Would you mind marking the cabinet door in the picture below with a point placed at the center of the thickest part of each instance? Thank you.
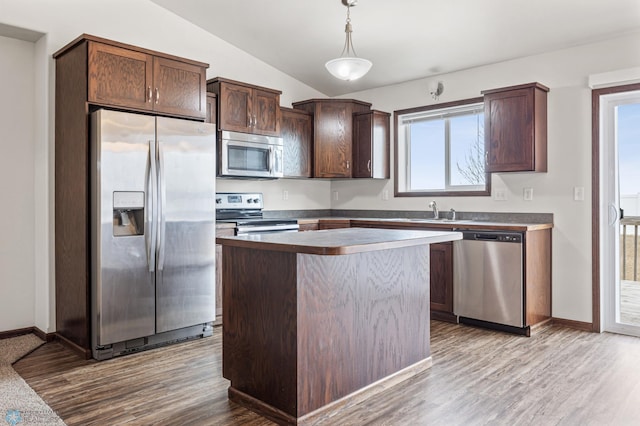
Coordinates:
(212, 109)
(362, 145)
(266, 113)
(119, 77)
(179, 88)
(235, 108)
(297, 133)
(441, 264)
(371, 145)
(218, 319)
(333, 133)
(516, 128)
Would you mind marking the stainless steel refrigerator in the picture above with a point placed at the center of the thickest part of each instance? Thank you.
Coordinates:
(153, 231)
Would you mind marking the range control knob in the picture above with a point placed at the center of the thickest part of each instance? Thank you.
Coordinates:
(218, 200)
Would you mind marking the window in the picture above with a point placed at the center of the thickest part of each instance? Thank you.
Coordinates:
(440, 150)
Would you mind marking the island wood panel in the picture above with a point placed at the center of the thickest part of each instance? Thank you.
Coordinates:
(361, 318)
(259, 332)
(537, 247)
(72, 262)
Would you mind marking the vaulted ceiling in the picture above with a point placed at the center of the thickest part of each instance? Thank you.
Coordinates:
(405, 39)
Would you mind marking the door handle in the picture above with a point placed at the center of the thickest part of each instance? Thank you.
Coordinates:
(369, 165)
(613, 214)
(162, 196)
(270, 161)
(152, 183)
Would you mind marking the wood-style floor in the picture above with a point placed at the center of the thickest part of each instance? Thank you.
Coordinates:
(558, 376)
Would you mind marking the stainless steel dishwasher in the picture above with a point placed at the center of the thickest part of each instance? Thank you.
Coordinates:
(488, 280)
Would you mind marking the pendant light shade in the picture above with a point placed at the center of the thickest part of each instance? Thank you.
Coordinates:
(348, 66)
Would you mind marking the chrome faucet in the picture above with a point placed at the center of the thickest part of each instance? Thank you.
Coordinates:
(453, 214)
(432, 205)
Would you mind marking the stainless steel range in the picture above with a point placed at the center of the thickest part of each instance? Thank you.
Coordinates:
(245, 210)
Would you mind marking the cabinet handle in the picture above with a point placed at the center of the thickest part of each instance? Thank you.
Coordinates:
(347, 164)
(150, 94)
(157, 95)
(250, 120)
(255, 121)
(369, 165)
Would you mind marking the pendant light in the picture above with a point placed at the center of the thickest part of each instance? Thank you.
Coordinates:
(348, 66)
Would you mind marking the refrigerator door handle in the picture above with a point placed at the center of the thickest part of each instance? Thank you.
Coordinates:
(152, 185)
(162, 193)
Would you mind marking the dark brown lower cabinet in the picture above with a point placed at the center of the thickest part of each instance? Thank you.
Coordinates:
(441, 259)
(221, 231)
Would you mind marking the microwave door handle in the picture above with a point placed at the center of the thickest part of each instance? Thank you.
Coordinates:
(270, 165)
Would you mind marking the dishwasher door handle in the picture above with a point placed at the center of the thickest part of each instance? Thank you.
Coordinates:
(486, 237)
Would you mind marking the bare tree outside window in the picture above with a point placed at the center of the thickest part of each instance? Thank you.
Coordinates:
(473, 168)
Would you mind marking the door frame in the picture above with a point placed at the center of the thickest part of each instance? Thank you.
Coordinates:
(596, 179)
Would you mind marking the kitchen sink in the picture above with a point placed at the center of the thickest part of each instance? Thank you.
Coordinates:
(419, 220)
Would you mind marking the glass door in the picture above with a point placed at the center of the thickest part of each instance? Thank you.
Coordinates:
(620, 123)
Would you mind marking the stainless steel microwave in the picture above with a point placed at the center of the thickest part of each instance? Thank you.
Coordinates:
(250, 156)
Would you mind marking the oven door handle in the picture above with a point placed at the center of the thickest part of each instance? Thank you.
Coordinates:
(267, 228)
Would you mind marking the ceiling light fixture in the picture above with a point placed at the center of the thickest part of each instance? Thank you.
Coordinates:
(348, 66)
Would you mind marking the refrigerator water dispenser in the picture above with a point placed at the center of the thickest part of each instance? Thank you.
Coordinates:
(128, 213)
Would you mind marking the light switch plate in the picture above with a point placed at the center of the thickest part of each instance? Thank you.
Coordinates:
(528, 194)
(335, 196)
(578, 193)
(385, 195)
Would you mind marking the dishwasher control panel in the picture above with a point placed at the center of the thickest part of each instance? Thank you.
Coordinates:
(497, 236)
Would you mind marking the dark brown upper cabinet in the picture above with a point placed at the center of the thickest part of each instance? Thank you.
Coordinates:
(246, 108)
(125, 76)
(332, 134)
(297, 136)
(212, 108)
(371, 144)
(516, 128)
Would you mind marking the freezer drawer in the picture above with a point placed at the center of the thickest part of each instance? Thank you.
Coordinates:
(488, 278)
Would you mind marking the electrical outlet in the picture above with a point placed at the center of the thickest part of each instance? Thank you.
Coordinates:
(500, 194)
(527, 194)
(285, 195)
(335, 196)
(385, 195)
(578, 193)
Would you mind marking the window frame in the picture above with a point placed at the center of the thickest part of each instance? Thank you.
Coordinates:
(443, 193)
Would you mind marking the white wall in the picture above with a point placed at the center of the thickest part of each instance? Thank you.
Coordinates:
(566, 73)
(17, 171)
(27, 268)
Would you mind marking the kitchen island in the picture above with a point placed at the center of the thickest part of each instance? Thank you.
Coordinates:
(315, 321)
